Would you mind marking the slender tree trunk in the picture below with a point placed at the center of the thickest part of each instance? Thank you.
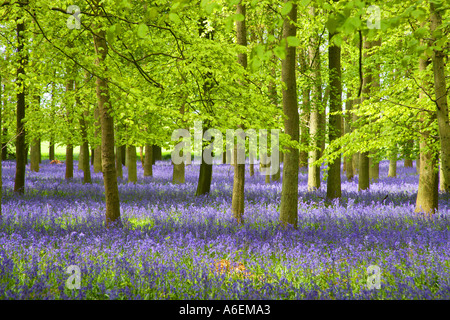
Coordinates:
(364, 173)
(123, 151)
(154, 153)
(35, 145)
(19, 181)
(69, 147)
(84, 148)
(92, 155)
(157, 153)
(408, 163)
(442, 182)
(1, 158)
(237, 202)
(349, 170)
(289, 192)
(107, 133)
(427, 195)
(34, 155)
(4, 145)
(80, 158)
(441, 91)
(119, 169)
(51, 151)
(335, 121)
(408, 154)
(393, 163)
(148, 161)
(316, 112)
(304, 117)
(178, 175)
(141, 156)
(131, 164)
(40, 154)
(98, 149)
(204, 179)
(69, 162)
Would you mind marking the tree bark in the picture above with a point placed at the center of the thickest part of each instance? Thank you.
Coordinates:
(80, 158)
(204, 178)
(98, 149)
(107, 132)
(119, 169)
(131, 164)
(289, 191)
(19, 181)
(84, 148)
(440, 89)
(363, 168)
(349, 170)
(304, 117)
(427, 194)
(335, 121)
(148, 161)
(316, 112)
(393, 163)
(237, 201)
(34, 155)
(123, 151)
(69, 147)
(69, 162)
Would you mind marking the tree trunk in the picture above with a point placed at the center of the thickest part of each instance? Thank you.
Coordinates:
(39, 151)
(119, 169)
(157, 153)
(69, 162)
(441, 91)
(92, 156)
(69, 148)
(427, 195)
(409, 145)
(148, 161)
(304, 117)
(237, 201)
(408, 163)
(107, 133)
(178, 174)
(335, 121)
(363, 168)
(204, 178)
(349, 170)
(123, 151)
(80, 158)
(131, 164)
(289, 191)
(393, 163)
(98, 149)
(84, 148)
(19, 181)
(316, 112)
(34, 155)
(4, 145)
(1, 158)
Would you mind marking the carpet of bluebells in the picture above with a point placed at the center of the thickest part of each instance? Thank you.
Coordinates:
(173, 245)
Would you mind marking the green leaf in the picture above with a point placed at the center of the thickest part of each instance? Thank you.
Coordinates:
(238, 17)
(142, 30)
(174, 17)
(293, 41)
(287, 7)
